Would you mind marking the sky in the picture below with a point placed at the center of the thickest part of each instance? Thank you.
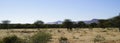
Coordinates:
(29, 11)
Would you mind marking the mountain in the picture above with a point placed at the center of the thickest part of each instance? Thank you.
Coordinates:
(87, 22)
(56, 22)
(91, 21)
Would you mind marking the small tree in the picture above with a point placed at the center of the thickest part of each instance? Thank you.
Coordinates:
(93, 25)
(5, 24)
(68, 24)
(38, 23)
(81, 24)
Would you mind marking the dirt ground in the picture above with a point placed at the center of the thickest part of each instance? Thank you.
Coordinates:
(78, 35)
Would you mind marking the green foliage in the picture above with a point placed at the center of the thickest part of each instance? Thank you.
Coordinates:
(11, 39)
(113, 22)
(93, 25)
(5, 24)
(41, 37)
(39, 22)
(68, 24)
(1, 41)
(102, 23)
(98, 38)
(116, 21)
(63, 40)
(81, 24)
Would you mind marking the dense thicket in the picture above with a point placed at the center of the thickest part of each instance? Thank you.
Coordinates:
(103, 23)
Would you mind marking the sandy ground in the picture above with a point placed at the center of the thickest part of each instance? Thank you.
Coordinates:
(78, 35)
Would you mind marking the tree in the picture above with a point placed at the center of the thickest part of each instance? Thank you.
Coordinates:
(93, 25)
(74, 25)
(108, 24)
(116, 21)
(102, 23)
(68, 24)
(5, 24)
(81, 24)
(38, 23)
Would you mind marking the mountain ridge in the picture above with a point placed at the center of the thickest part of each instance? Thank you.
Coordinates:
(87, 21)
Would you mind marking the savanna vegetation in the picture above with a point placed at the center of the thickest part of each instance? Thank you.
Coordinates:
(113, 22)
(105, 31)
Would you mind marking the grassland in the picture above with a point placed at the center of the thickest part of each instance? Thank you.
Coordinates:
(78, 35)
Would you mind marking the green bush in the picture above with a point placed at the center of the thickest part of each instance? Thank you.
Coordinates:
(1, 41)
(41, 37)
(63, 40)
(99, 38)
(11, 39)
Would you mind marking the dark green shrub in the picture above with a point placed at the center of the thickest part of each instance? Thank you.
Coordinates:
(41, 37)
(63, 40)
(11, 39)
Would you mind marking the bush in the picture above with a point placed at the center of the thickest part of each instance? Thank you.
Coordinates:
(1, 41)
(41, 37)
(11, 39)
(98, 38)
(63, 40)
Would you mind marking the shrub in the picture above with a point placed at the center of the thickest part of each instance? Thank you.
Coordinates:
(98, 38)
(1, 41)
(41, 37)
(12, 39)
(63, 40)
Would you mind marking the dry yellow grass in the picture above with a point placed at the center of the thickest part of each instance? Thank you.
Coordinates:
(76, 36)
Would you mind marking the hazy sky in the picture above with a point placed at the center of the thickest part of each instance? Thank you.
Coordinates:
(28, 11)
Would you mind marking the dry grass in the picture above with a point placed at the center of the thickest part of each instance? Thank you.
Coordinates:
(111, 35)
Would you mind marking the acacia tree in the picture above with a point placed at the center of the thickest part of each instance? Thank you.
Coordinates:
(93, 25)
(38, 23)
(5, 24)
(81, 24)
(68, 24)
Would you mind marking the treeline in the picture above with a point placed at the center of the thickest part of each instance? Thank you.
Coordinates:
(67, 23)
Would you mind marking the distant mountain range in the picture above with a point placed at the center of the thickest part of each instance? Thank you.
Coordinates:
(87, 22)
(91, 21)
(56, 22)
